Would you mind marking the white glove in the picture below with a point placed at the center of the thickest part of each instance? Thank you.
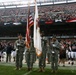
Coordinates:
(16, 49)
(53, 52)
(54, 45)
(18, 44)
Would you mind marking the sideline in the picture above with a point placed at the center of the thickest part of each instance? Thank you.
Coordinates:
(69, 67)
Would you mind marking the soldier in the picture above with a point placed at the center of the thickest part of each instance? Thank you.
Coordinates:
(55, 47)
(19, 47)
(48, 52)
(30, 52)
(42, 58)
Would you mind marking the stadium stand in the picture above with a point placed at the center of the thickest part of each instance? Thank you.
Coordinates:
(54, 15)
(59, 11)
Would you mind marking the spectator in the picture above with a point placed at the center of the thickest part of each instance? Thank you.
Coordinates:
(8, 52)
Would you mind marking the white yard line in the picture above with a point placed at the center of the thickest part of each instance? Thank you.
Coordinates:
(29, 72)
(72, 71)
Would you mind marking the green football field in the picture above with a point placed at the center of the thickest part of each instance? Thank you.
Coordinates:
(8, 69)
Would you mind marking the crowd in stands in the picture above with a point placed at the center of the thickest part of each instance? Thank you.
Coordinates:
(6, 47)
(48, 12)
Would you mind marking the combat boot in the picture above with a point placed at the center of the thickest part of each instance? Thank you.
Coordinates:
(43, 69)
(40, 70)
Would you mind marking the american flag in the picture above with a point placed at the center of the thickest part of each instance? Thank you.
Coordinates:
(30, 22)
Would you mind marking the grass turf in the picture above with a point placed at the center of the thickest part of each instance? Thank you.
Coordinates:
(9, 70)
(60, 72)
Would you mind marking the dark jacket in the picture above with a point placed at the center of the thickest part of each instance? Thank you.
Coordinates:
(8, 49)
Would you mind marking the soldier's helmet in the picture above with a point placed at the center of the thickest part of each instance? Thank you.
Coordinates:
(54, 36)
(19, 36)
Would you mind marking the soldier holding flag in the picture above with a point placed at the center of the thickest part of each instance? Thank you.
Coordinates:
(30, 50)
(42, 58)
(38, 43)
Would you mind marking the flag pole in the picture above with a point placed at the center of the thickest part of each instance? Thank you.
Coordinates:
(27, 29)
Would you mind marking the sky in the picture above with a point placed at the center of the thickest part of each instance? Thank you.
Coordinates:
(31, 1)
(7, 0)
(13, 0)
(21, 1)
(24, 0)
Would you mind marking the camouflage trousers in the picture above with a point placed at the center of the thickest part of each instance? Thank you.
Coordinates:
(29, 59)
(42, 61)
(19, 58)
(54, 63)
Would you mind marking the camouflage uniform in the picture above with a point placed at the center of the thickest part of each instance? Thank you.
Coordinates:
(42, 58)
(19, 46)
(30, 53)
(55, 47)
(48, 53)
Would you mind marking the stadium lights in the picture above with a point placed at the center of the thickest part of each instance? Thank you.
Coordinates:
(17, 23)
(71, 0)
(11, 7)
(12, 23)
(2, 7)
